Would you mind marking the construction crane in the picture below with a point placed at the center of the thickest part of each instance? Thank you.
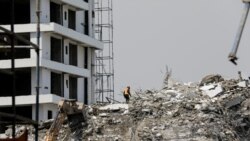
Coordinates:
(232, 56)
(70, 109)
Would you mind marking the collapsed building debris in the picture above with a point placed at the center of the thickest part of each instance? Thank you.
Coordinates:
(183, 112)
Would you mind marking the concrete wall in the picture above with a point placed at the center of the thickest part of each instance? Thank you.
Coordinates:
(43, 111)
(66, 47)
(45, 11)
(80, 56)
(45, 45)
(66, 86)
(92, 82)
(65, 11)
(91, 20)
(80, 89)
(79, 21)
(44, 81)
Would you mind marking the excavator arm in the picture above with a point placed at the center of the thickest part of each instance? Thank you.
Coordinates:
(66, 108)
(232, 55)
(55, 127)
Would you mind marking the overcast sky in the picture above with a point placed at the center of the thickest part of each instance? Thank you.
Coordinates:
(193, 37)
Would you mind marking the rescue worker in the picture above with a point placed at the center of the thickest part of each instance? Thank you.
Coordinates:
(126, 93)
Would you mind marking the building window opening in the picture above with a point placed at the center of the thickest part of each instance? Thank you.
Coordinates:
(67, 83)
(24, 111)
(55, 13)
(86, 22)
(73, 54)
(21, 49)
(56, 50)
(50, 114)
(72, 19)
(56, 84)
(73, 87)
(65, 15)
(66, 50)
(85, 91)
(86, 58)
(22, 12)
(23, 82)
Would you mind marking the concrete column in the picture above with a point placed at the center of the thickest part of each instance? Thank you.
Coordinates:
(65, 13)
(41, 112)
(91, 20)
(91, 79)
(45, 45)
(66, 51)
(45, 83)
(45, 11)
(66, 86)
(80, 56)
(79, 21)
(80, 89)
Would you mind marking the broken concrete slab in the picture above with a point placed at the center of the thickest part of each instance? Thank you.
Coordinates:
(114, 107)
(212, 90)
(235, 101)
(242, 84)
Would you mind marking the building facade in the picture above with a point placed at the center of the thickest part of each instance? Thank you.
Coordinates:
(67, 55)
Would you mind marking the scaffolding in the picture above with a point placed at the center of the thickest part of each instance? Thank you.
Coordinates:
(104, 64)
(9, 37)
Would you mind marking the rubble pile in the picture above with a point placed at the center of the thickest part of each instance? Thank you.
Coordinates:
(213, 110)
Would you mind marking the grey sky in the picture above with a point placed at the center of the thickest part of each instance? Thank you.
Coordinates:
(193, 37)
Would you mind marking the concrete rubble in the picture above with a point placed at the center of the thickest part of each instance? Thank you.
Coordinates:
(213, 110)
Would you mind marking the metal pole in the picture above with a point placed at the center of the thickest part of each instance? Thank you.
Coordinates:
(37, 67)
(13, 69)
(232, 56)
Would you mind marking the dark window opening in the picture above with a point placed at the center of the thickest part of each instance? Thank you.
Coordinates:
(86, 58)
(55, 13)
(93, 14)
(86, 25)
(25, 36)
(66, 49)
(21, 48)
(72, 19)
(65, 15)
(50, 115)
(22, 12)
(56, 84)
(85, 91)
(20, 53)
(56, 50)
(67, 83)
(24, 111)
(86, 0)
(73, 88)
(73, 54)
(23, 82)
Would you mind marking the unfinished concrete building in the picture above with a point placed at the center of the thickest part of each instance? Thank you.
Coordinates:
(67, 46)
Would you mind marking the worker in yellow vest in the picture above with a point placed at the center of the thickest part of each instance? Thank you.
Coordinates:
(126, 93)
